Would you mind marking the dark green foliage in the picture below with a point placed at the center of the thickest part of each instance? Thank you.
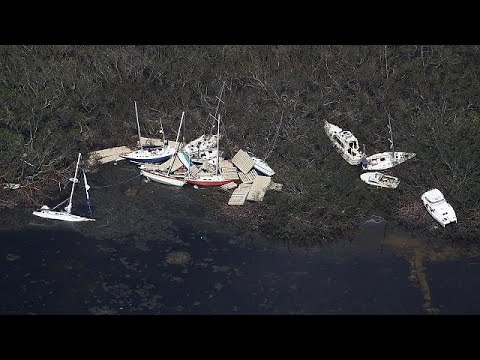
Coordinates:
(55, 100)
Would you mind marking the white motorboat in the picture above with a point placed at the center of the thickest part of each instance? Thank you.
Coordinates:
(379, 179)
(438, 207)
(345, 143)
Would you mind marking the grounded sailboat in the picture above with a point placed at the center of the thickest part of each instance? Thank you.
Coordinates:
(203, 149)
(147, 154)
(168, 178)
(386, 160)
(47, 213)
(216, 179)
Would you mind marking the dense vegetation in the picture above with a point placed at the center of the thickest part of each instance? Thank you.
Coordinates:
(55, 100)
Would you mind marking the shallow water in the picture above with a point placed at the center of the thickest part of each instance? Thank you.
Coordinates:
(152, 250)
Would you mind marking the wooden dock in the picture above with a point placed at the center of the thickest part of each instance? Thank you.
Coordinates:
(243, 161)
(228, 186)
(259, 187)
(248, 178)
(107, 155)
(226, 164)
(229, 173)
(177, 164)
(240, 194)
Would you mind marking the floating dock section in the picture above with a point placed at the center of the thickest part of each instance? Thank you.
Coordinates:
(107, 155)
(229, 173)
(177, 164)
(243, 161)
(240, 194)
(259, 187)
(228, 186)
(248, 178)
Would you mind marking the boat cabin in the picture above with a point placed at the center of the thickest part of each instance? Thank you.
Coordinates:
(346, 140)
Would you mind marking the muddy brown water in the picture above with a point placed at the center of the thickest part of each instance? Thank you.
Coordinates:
(152, 250)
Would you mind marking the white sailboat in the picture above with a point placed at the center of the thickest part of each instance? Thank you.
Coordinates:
(379, 179)
(386, 160)
(345, 143)
(204, 148)
(215, 179)
(438, 207)
(148, 155)
(168, 178)
(47, 213)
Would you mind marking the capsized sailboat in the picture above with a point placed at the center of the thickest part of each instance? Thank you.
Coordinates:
(66, 215)
(148, 154)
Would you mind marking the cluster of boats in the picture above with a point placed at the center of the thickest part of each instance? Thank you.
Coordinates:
(196, 163)
(348, 147)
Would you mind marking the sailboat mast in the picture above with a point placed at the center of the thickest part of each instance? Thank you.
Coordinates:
(183, 142)
(163, 134)
(138, 127)
(391, 136)
(218, 144)
(178, 144)
(219, 98)
(69, 206)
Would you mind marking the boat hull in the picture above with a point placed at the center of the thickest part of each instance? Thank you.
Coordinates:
(208, 182)
(150, 156)
(380, 180)
(386, 160)
(159, 159)
(60, 215)
(340, 143)
(163, 179)
(261, 166)
(443, 213)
